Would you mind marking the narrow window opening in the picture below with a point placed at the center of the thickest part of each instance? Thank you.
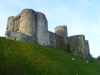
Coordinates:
(27, 12)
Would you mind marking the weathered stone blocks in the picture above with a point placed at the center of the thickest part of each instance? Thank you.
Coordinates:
(87, 50)
(19, 36)
(77, 45)
(62, 31)
(10, 23)
(42, 29)
(28, 22)
(52, 39)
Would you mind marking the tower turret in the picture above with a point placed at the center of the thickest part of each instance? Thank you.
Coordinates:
(62, 31)
(42, 29)
(28, 22)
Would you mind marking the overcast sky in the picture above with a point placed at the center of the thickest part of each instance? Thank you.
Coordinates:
(80, 16)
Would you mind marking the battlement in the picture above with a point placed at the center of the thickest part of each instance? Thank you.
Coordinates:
(32, 26)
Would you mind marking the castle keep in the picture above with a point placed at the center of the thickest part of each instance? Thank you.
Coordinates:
(32, 26)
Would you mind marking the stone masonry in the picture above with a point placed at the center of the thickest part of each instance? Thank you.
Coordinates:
(32, 26)
(79, 46)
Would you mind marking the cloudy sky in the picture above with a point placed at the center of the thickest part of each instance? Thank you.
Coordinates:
(80, 16)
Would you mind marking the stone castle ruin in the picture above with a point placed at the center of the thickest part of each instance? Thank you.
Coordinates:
(32, 26)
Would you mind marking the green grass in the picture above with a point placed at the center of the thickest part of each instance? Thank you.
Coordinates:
(24, 58)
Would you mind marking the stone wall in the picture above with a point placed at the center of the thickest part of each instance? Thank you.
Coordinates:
(10, 24)
(87, 50)
(19, 36)
(52, 40)
(42, 29)
(17, 23)
(77, 45)
(24, 23)
(60, 42)
(57, 41)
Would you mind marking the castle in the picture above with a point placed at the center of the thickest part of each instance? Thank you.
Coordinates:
(32, 26)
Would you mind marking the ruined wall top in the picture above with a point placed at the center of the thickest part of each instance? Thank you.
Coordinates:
(60, 28)
(27, 10)
(81, 35)
(10, 24)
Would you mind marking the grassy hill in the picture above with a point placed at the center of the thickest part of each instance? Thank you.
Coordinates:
(24, 58)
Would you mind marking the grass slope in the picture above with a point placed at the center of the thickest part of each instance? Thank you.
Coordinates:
(24, 58)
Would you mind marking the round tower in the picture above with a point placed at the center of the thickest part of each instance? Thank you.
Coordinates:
(10, 23)
(62, 31)
(42, 29)
(28, 22)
